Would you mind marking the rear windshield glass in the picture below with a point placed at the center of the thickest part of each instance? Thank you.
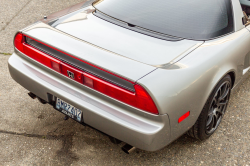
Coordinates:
(191, 19)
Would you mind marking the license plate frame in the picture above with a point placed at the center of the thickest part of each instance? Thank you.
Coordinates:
(68, 110)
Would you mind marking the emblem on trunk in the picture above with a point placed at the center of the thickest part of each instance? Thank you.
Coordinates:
(71, 74)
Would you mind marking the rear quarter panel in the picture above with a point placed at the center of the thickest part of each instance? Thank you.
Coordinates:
(186, 85)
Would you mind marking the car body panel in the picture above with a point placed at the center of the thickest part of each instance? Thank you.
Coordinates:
(130, 44)
(178, 80)
(248, 27)
(66, 12)
(130, 125)
(190, 88)
(89, 52)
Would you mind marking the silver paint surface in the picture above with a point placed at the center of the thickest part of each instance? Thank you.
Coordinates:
(99, 111)
(91, 53)
(130, 44)
(178, 75)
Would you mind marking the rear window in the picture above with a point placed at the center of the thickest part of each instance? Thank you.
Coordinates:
(191, 19)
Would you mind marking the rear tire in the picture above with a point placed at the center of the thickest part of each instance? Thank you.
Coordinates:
(213, 111)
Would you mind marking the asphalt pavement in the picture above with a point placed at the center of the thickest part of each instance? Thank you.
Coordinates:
(36, 134)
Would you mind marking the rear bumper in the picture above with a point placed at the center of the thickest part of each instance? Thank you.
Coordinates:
(137, 128)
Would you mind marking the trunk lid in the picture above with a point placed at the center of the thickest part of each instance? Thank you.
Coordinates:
(121, 51)
(130, 44)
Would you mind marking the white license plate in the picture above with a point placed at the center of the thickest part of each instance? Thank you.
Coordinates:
(69, 110)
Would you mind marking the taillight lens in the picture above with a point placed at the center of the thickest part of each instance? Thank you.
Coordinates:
(139, 99)
(18, 42)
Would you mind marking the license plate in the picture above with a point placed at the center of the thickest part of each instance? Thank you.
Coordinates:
(69, 110)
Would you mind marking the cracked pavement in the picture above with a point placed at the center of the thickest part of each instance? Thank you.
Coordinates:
(36, 134)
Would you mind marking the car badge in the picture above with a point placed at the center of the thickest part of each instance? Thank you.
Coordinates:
(71, 74)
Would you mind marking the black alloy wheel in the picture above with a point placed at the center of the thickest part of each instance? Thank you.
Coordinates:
(213, 111)
(218, 107)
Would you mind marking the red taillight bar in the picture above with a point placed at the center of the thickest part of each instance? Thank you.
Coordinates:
(139, 99)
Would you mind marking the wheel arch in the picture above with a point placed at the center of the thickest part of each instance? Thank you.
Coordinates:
(232, 75)
(218, 77)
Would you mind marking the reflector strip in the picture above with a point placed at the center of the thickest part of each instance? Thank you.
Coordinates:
(183, 117)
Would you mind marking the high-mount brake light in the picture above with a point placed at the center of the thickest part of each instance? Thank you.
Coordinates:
(139, 99)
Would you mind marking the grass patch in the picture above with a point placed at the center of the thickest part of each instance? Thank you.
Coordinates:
(5, 53)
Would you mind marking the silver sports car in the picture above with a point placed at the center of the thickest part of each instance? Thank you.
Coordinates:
(143, 72)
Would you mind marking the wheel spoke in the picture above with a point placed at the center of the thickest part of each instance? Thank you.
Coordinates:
(214, 102)
(223, 103)
(225, 94)
(217, 96)
(219, 92)
(221, 112)
(211, 111)
(210, 118)
(210, 125)
(215, 120)
(210, 115)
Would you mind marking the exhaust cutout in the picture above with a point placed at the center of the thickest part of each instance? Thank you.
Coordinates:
(41, 100)
(32, 95)
(128, 148)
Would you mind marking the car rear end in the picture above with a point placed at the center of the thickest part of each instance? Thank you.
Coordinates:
(100, 88)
